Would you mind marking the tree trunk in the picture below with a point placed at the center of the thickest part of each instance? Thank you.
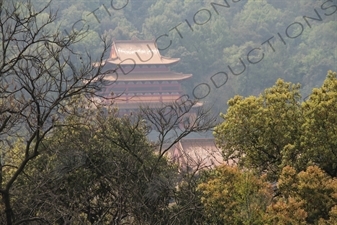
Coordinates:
(8, 208)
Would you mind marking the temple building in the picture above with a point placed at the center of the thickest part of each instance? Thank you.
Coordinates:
(139, 75)
(192, 154)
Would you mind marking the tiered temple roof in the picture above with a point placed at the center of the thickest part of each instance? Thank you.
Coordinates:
(149, 76)
(140, 75)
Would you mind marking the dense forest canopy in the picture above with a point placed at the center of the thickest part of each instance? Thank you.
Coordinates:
(231, 47)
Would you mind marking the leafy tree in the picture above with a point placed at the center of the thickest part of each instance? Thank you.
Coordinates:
(256, 20)
(207, 49)
(319, 128)
(275, 129)
(188, 208)
(256, 130)
(95, 172)
(301, 193)
(101, 169)
(235, 197)
(38, 81)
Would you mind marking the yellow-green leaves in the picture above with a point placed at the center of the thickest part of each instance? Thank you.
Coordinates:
(293, 143)
(231, 196)
(311, 194)
(275, 129)
(319, 137)
(256, 129)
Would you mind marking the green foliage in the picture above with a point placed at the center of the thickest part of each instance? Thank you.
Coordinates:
(274, 129)
(188, 206)
(95, 172)
(229, 35)
(291, 142)
(319, 129)
(301, 194)
(257, 129)
(233, 196)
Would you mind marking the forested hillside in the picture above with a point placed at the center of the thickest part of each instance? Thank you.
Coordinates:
(295, 41)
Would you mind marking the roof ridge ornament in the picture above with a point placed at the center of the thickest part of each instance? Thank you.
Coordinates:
(138, 52)
(113, 53)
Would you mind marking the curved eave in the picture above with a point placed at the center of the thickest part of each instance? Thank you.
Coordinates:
(136, 105)
(122, 104)
(167, 60)
(136, 61)
(152, 77)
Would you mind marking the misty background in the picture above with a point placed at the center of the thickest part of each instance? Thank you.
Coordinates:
(297, 39)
